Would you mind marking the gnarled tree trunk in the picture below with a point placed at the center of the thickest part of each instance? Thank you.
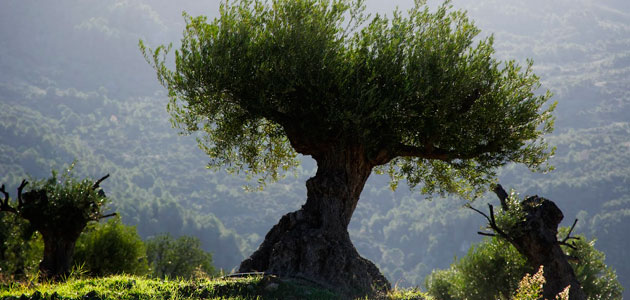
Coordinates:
(313, 242)
(58, 253)
(536, 239)
(539, 243)
(60, 233)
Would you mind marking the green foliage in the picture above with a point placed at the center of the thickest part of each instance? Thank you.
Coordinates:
(111, 248)
(494, 268)
(67, 199)
(598, 280)
(20, 249)
(490, 270)
(407, 294)
(267, 79)
(509, 220)
(177, 258)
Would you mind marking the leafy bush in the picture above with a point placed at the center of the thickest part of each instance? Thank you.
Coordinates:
(111, 248)
(598, 280)
(20, 249)
(493, 269)
(67, 200)
(182, 257)
(490, 270)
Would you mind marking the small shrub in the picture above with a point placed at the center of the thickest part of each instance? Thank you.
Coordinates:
(20, 249)
(490, 270)
(182, 257)
(111, 248)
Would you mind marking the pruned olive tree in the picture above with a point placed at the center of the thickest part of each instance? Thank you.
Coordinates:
(412, 95)
(59, 208)
(531, 226)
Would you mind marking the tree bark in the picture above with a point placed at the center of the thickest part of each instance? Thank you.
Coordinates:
(539, 243)
(536, 238)
(60, 233)
(58, 253)
(313, 242)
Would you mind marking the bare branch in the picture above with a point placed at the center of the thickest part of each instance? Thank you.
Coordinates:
(4, 205)
(568, 245)
(492, 223)
(480, 212)
(6, 195)
(568, 237)
(98, 182)
(503, 195)
(485, 216)
(495, 227)
(107, 216)
(19, 189)
(485, 233)
(492, 214)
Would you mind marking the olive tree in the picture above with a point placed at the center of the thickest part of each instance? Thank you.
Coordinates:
(413, 95)
(59, 208)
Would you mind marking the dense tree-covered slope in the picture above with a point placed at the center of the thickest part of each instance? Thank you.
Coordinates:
(73, 85)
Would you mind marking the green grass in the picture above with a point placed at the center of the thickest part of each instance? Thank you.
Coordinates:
(141, 288)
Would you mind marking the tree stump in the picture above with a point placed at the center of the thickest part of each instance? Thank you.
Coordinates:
(535, 237)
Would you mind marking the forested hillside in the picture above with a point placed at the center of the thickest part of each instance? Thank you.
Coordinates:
(74, 86)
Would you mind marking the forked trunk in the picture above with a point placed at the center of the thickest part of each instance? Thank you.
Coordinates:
(313, 242)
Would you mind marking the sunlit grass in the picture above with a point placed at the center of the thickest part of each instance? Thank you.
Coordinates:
(134, 287)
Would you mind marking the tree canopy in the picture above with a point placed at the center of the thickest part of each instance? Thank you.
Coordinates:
(417, 93)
